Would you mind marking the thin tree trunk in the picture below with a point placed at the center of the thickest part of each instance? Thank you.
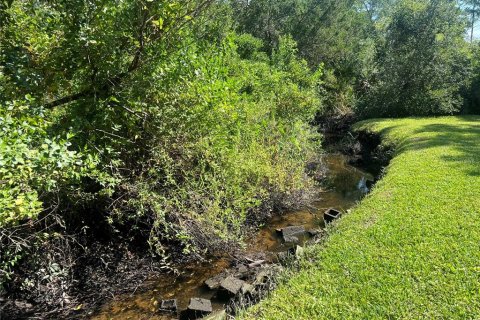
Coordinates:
(473, 21)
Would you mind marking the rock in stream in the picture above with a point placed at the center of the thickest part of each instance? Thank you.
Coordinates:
(197, 308)
(291, 234)
(231, 285)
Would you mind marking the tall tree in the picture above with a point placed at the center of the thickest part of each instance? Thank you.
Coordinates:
(422, 61)
(472, 8)
(336, 34)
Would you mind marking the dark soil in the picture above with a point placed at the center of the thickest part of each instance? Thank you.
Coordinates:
(98, 267)
(100, 272)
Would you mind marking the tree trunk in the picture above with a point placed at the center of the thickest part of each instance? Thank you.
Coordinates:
(473, 21)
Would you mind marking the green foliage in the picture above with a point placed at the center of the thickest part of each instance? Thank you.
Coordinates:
(422, 62)
(177, 121)
(336, 34)
(150, 116)
(226, 133)
(384, 57)
(32, 162)
(38, 170)
(248, 45)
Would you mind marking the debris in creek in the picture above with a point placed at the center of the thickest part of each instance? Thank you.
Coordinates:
(168, 305)
(213, 283)
(291, 234)
(231, 285)
(331, 214)
(256, 263)
(197, 308)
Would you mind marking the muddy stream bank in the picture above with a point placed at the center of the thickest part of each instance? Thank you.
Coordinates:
(344, 186)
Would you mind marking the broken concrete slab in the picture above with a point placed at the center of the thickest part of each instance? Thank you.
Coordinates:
(331, 214)
(169, 305)
(247, 288)
(256, 263)
(200, 304)
(291, 234)
(261, 277)
(242, 272)
(242, 269)
(197, 308)
(213, 283)
(232, 285)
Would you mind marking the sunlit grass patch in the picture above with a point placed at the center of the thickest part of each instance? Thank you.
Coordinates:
(411, 249)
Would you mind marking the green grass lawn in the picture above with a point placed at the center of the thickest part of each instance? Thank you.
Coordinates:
(411, 248)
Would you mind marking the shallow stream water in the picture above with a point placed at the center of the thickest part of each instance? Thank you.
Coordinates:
(344, 186)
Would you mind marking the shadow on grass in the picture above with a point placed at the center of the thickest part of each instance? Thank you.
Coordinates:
(463, 137)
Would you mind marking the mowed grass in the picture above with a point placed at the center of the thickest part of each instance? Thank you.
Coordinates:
(411, 248)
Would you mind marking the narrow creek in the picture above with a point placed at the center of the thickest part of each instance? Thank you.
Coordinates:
(345, 185)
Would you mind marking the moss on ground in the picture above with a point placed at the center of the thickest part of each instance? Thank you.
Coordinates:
(411, 248)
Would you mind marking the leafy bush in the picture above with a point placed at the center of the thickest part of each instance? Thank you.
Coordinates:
(175, 139)
(247, 45)
(36, 169)
(32, 162)
(225, 136)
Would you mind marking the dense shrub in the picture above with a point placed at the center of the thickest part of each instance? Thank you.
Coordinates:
(149, 121)
(223, 135)
(471, 93)
(248, 45)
